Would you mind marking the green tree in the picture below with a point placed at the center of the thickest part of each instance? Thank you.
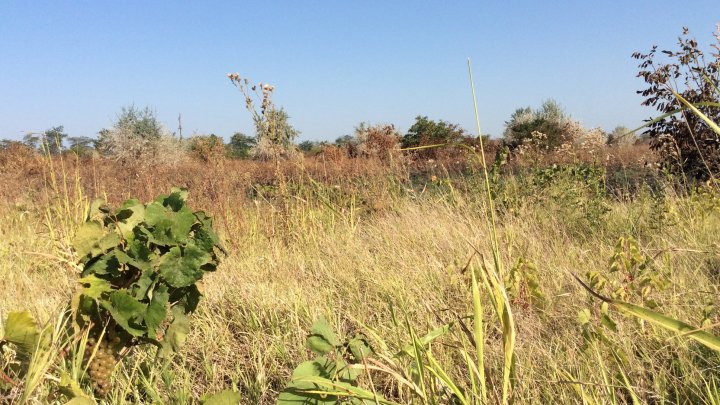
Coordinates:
(53, 139)
(309, 146)
(139, 123)
(80, 144)
(277, 128)
(428, 132)
(621, 136)
(345, 140)
(133, 127)
(549, 120)
(138, 137)
(240, 145)
(32, 140)
(685, 143)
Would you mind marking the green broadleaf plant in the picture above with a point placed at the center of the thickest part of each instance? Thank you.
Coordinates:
(141, 264)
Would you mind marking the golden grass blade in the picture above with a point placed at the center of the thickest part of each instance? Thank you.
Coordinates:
(673, 112)
(699, 113)
(437, 145)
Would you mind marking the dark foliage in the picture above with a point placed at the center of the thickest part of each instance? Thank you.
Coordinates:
(686, 144)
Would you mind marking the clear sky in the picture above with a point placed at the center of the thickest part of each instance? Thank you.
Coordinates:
(333, 63)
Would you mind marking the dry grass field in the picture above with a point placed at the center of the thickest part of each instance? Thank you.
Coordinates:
(391, 250)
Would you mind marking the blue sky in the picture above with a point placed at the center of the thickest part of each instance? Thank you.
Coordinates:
(333, 63)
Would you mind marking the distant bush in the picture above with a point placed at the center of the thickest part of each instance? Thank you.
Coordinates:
(621, 136)
(379, 141)
(548, 125)
(686, 144)
(15, 155)
(207, 148)
(429, 132)
(240, 145)
(138, 137)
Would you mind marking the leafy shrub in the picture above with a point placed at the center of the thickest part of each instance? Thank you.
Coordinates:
(141, 265)
(685, 143)
(206, 148)
(379, 141)
(547, 125)
(621, 136)
(577, 194)
(330, 377)
(240, 145)
(425, 132)
(137, 137)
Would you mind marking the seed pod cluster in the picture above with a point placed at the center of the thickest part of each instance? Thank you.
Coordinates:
(102, 364)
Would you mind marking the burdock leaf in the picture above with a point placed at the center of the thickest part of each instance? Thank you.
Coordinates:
(176, 333)
(94, 286)
(157, 310)
(21, 330)
(129, 216)
(182, 268)
(125, 310)
(225, 397)
(168, 227)
(86, 237)
(176, 199)
(322, 339)
(105, 264)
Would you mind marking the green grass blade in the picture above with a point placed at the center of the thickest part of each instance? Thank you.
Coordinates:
(478, 335)
(671, 324)
(709, 340)
(435, 368)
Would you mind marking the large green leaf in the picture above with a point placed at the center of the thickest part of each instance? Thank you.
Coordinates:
(129, 216)
(181, 267)
(225, 397)
(22, 331)
(359, 347)
(168, 227)
(98, 210)
(92, 239)
(320, 367)
(126, 311)
(176, 199)
(86, 237)
(322, 339)
(205, 237)
(105, 264)
(157, 310)
(94, 286)
(176, 333)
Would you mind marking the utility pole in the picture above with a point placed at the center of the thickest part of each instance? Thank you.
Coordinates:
(180, 125)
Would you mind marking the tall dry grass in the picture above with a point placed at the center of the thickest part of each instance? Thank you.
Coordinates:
(350, 239)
